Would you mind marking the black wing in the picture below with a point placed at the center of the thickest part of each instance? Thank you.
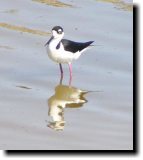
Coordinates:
(72, 46)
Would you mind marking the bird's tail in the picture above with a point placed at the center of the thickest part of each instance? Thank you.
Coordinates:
(90, 43)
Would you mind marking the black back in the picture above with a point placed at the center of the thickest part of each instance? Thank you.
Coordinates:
(72, 46)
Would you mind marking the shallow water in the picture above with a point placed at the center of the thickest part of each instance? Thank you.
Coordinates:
(96, 111)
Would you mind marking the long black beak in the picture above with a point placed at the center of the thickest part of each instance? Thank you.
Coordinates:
(49, 41)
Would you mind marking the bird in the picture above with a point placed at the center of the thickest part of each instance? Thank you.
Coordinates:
(64, 51)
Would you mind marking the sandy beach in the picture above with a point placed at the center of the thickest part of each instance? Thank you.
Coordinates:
(96, 111)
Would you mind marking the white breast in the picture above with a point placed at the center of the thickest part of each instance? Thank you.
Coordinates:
(59, 55)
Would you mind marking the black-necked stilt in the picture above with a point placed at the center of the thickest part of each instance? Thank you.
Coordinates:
(63, 50)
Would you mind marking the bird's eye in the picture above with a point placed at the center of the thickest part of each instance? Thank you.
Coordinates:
(60, 31)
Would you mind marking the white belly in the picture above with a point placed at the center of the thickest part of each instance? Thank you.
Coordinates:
(59, 55)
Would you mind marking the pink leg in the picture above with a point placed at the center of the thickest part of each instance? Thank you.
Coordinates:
(70, 69)
(61, 69)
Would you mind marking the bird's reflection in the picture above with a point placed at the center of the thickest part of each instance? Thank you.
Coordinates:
(65, 97)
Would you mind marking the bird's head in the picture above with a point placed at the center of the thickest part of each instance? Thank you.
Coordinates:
(57, 32)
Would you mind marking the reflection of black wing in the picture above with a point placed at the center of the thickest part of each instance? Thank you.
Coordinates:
(72, 46)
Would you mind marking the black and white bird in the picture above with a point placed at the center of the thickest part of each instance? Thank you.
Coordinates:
(64, 51)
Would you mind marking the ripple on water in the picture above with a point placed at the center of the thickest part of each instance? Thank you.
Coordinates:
(120, 4)
(54, 3)
(23, 29)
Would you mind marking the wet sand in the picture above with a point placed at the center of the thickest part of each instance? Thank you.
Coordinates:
(96, 111)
